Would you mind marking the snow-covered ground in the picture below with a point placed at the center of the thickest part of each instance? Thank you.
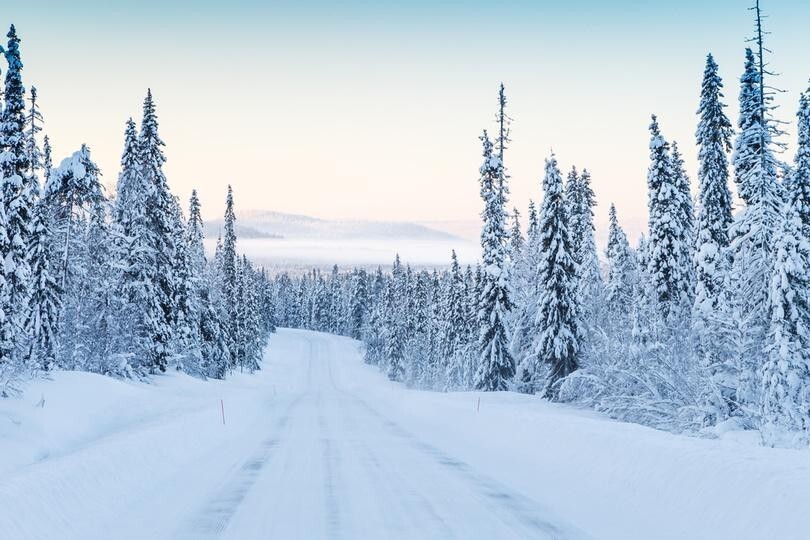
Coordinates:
(319, 445)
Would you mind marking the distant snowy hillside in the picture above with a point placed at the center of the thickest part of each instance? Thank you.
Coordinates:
(469, 229)
(213, 229)
(299, 226)
(296, 243)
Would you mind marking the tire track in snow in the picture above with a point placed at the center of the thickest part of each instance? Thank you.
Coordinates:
(511, 506)
(213, 518)
(411, 501)
(396, 490)
(330, 456)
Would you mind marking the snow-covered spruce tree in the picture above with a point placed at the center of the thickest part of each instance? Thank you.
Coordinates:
(72, 193)
(358, 304)
(621, 270)
(280, 294)
(250, 337)
(686, 218)
(800, 180)
(33, 125)
(47, 160)
(522, 315)
(216, 354)
(532, 227)
(267, 305)
(240, 337)
(286, 307)
(394, 326)
(204, 301)
(45, 302)
(668, 266)
(337, 303)
(418, 370)
(469, 349)
(228, 272)
(750, 124)
(573, 198)
(374, 332)
(524, 289)
(141, 325)
(396, 321)
(516, 240)
(321, 305)
(160, 210)
(299, 303)
(434, 365)
(453, 328)
(751, 235)
(556, 342)
(18, 198)
(187, 342)
(501, 143)
(195, 235)
(496, 368)
(714, 209)
(785, 372)
(711, 310)
(131, 188)
(315, 301)
(580, 202)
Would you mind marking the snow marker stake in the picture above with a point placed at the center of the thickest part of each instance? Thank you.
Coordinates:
(478, 406)
(222, 407)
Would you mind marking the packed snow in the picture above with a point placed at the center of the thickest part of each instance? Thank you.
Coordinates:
(319, 445)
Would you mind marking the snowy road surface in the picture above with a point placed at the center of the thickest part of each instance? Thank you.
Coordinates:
(319, 445)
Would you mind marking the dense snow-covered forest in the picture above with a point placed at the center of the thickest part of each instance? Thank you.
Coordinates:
(701, 327)
(112, 283)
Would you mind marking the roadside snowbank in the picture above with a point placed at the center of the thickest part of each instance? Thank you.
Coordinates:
(612, 479)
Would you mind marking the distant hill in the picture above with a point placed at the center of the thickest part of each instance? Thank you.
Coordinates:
(212, 229)
(469, 229)
(267, 224)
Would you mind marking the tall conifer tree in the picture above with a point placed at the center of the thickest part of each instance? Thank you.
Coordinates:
(714, 208)
(800, 181)
(18, 198)
(557, 324)
(496, 366)
(667, 266)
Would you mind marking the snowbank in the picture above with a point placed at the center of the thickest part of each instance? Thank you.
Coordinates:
(612, 479)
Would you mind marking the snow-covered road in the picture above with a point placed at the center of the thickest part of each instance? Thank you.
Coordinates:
(332, 466)
(318, 445)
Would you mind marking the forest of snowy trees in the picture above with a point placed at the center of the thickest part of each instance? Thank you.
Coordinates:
(706, 322)
(115, 284)
(703, 325)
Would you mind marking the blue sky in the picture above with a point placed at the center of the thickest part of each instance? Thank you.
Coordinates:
(358, 109)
